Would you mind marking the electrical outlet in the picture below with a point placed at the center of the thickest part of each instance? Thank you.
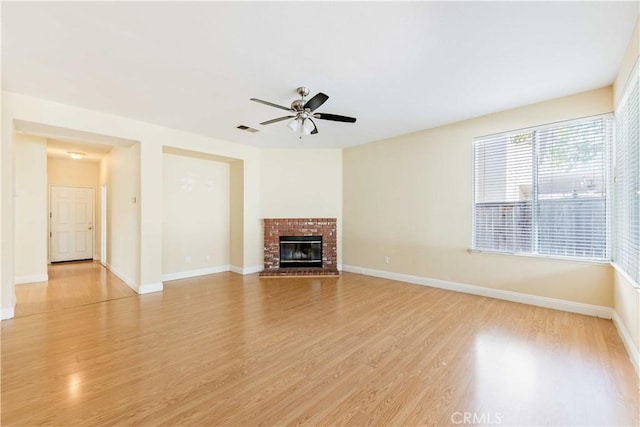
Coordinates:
(187, 259)
(208, 257)
(386, 259)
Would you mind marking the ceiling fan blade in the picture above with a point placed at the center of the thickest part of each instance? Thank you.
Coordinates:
(279, 119)
(334, 117)
(316, 101)
(271, 104)
(315, 128)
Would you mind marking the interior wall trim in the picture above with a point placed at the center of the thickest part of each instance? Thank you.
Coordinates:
(634, 354)
(194, 273)
(127, 281)
(246, 270)
(556, 304)
(7, 313)
(19, 280)
(150, 287)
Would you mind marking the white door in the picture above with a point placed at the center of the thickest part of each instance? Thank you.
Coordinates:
(71, 223)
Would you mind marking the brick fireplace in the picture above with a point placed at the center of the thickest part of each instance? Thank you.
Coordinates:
(275, 231)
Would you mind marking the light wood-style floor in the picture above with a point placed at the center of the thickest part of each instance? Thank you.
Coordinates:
(231, 350)
(70, 285)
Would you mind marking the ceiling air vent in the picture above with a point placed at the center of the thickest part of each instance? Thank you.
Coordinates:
(247, 128)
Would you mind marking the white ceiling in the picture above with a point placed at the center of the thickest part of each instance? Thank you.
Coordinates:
(92, 152)
(397, 67)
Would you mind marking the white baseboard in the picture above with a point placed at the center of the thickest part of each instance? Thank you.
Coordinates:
(128, 281)
(150, 287)
(252, 270)
(194, 273)
(7, 313)
(557, 304)
(246, 270)
(634, 354)
(142, 289)
(19, 280)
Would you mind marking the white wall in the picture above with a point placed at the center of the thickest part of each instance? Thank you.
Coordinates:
(626, 302)
(302, 184)
(236, 215)
(628, 61)
(196, 228)
(123, 214)
(7, 216)
(6, 311)
(103, 180)
(30, 262)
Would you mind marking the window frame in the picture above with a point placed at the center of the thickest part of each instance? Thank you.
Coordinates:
(608, 159)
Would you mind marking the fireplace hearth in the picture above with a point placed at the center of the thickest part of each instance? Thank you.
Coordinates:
(300, 247)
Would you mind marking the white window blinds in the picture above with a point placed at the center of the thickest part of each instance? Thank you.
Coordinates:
(543, 191)
(626, 181)
(503, 193)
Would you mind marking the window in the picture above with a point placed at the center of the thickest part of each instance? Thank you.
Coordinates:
(544, 190)
(626, 182)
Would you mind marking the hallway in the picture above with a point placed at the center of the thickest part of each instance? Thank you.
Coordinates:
(70, 285)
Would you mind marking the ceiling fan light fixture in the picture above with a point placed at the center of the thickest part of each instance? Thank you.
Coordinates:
(307, 127)
(294, 125)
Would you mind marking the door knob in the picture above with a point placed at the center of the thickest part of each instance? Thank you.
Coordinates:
(90, 228)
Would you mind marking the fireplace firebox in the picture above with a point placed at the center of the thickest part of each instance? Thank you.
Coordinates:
(300, 251)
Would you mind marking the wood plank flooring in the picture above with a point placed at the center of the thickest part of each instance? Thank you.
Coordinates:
(70, 285)
(240, 351)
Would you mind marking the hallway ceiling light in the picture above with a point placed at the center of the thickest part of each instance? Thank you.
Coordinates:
(75, 155)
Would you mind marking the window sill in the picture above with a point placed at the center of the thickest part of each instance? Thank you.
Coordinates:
(544, 257)
(625, 275)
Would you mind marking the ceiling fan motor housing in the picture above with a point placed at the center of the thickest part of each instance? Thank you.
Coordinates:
(298, 105)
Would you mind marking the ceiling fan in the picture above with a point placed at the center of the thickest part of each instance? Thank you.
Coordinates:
(303, 112)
